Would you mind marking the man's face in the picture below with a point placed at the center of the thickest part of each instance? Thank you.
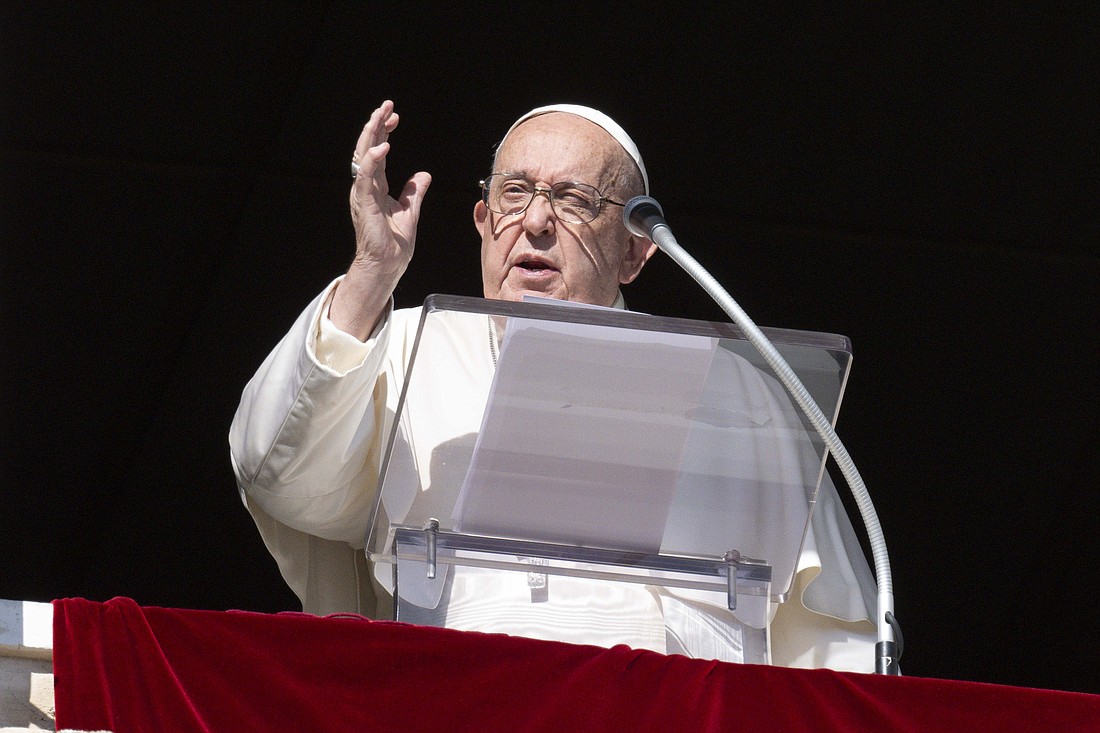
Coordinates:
(536, 253)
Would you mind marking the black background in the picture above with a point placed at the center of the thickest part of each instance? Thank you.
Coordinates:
(925, 182)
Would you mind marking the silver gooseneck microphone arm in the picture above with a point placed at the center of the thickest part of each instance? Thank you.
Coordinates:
(644, 217)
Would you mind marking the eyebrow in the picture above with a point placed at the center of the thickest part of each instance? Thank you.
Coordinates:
(599, 186)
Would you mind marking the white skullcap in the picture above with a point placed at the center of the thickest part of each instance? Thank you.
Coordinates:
(592, 115)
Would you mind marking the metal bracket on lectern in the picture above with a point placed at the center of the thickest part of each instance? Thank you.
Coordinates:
(431, 534)
(733, 559)
(421, 544)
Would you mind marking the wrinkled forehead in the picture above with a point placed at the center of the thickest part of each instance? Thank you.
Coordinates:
(561, 147)
(622, 142)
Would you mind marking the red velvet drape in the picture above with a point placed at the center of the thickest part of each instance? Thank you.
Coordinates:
(125, 668)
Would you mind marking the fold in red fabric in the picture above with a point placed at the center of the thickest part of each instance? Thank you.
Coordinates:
(124, 668)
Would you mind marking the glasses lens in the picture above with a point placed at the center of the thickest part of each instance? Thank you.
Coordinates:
(506, 194)
(576, 202)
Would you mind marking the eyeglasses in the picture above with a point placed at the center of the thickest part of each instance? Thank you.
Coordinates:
(510, 194)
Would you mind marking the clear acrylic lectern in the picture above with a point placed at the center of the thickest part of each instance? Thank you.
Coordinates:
(614, 477)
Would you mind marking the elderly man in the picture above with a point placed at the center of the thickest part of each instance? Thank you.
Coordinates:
(306, 440)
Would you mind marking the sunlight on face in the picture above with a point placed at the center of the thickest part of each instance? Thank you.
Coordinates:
(534, 252)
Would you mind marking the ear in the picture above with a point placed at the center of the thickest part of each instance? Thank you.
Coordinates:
(481, 215)
(638, 252)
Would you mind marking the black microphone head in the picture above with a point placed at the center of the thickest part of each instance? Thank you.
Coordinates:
(641, 214)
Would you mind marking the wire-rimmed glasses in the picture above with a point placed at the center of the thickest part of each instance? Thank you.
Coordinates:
(510, 194)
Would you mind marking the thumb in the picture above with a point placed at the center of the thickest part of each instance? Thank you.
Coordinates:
(412, 195)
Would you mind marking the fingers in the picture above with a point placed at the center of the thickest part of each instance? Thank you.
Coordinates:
(382, 122)
(372, 147)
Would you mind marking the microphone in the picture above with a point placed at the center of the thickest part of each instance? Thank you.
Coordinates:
(641, 215)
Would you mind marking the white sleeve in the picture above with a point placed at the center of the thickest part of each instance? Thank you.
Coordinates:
(305, 442)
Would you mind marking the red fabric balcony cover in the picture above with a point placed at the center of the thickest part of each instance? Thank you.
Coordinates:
(122, 667)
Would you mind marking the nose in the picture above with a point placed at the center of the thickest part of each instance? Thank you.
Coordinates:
(539, 218)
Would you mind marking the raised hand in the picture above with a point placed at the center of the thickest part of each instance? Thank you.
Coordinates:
(385, 229)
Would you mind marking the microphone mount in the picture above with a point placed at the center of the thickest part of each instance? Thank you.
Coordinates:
(644, 217)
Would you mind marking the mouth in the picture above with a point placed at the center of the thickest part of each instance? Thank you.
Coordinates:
(535, 266)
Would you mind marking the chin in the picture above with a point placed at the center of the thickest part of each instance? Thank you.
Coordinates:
(518, 295)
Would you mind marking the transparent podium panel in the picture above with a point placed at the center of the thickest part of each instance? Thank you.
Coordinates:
(645, 461)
